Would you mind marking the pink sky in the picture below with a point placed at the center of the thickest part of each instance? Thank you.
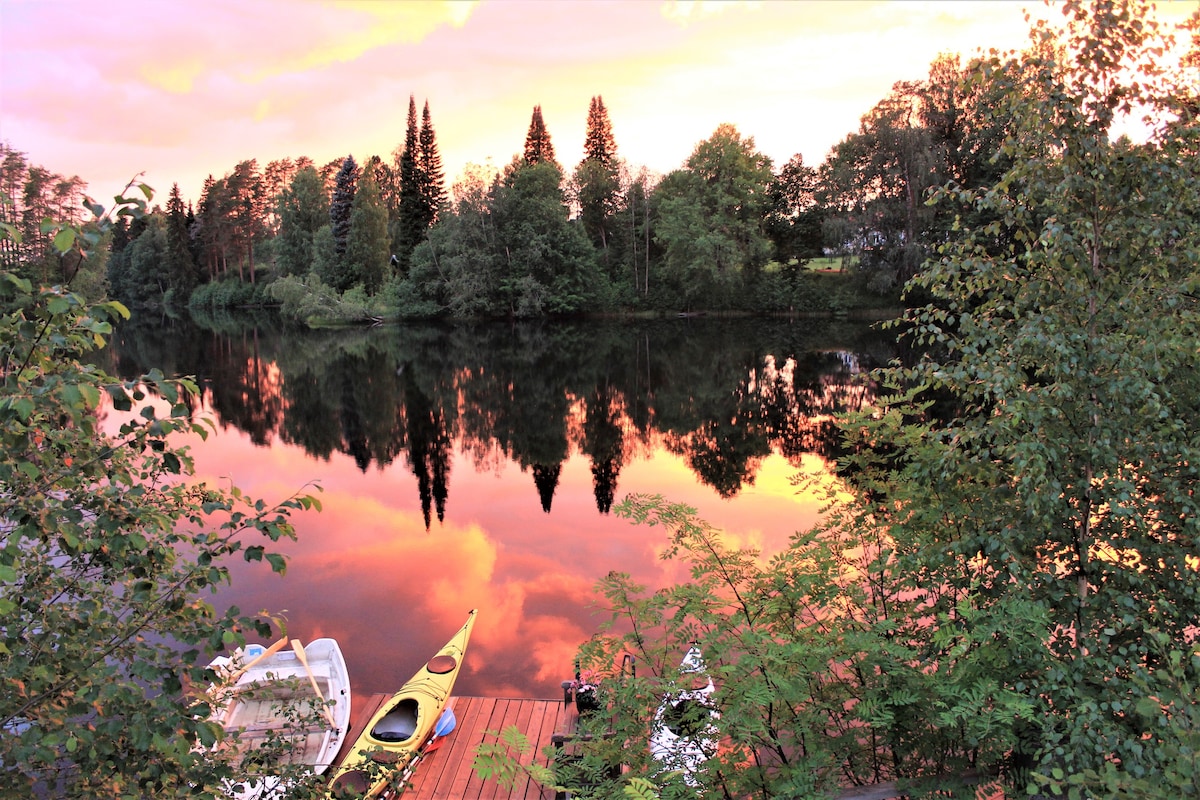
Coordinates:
(181, 90)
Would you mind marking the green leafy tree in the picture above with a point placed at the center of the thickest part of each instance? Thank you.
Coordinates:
(457, 270)
(877, 181)
(326, 263)
(33, 199)
(303, 210)
(547, 264)
(1013, 586)
(106, 554)
(146, 277)
(368, 250)
(711, 216)
(794, 221)
(538, 147)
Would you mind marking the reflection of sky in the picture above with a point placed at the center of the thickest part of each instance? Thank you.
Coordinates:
(365, 570)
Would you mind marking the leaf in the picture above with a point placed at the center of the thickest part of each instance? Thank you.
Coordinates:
(278, 563)
(64, 239)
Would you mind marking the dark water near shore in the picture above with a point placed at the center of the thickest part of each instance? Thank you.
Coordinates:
(475, 466)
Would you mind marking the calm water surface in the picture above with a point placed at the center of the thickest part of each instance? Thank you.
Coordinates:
(475, 467)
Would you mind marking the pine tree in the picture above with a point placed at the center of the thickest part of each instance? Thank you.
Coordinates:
(538, 148)
(432, 179)
(411, 221)
(340, 206)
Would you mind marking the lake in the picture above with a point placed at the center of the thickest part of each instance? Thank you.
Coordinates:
(475, 466)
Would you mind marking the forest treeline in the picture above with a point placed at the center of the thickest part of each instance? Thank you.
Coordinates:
(385, 238)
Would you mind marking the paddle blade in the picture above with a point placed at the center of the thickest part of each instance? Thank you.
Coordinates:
(445, 724)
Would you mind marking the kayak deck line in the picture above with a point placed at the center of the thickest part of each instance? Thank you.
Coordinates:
(446, 771)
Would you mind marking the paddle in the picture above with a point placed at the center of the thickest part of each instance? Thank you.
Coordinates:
(298, 648)
(445, 724)
(270, 651)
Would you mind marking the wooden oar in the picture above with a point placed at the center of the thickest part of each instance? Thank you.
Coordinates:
(270, 651)
(298, 648)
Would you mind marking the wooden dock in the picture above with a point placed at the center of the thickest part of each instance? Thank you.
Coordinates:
(446, 774)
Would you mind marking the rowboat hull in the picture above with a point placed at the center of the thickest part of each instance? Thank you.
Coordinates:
(684, 733)
(395, 733)
(274, 698)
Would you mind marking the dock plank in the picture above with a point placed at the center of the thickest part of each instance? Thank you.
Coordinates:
(446, 772)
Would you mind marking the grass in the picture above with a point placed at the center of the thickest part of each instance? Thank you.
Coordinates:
(830, 264)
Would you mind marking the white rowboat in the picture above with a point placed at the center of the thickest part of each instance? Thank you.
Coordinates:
(684, 734)
(283, 695)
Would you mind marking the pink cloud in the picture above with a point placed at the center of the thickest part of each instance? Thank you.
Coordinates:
(182, 91)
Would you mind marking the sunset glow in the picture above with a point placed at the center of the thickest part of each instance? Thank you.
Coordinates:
(183, 91)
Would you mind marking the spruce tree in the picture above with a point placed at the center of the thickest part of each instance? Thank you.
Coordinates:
(340, 206)
(596, 180)
(181, 272)
(411, 220)
(432, 179)
(538, 148)
(598, 143)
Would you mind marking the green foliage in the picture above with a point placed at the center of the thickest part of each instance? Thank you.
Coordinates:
(106, 552)
(508, 760)
(326, 265)
(309, 300)
(368, 249)
(1012, 586)
(138, 277)
(508, 250)
(228, 293)
(1168, 709)
(711, 217)
(596, 180)
(431, 178)
(340, 208)
(181, 269)
(303, 210)
(1059, 466)
(411, 222)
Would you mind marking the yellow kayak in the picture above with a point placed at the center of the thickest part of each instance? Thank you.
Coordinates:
(402, 725)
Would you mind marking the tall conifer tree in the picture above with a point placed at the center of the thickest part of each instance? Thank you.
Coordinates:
(181, 271)
(432, 179)
(538, 148)
(598, 143)
(411, 221)
(596, 181)
(342, 203)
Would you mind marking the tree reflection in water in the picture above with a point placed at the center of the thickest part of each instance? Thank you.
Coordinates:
(721, 394)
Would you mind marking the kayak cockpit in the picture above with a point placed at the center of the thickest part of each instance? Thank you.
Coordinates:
(399, 724)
